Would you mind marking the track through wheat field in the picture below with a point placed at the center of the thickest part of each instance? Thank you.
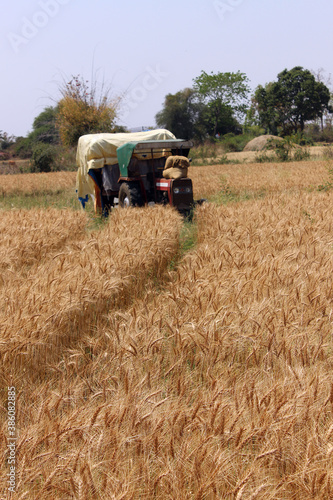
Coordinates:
(146, 371)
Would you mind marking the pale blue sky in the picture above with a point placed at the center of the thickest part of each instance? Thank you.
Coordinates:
(146, 49)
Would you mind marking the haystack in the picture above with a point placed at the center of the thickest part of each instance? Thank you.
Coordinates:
(260, 143)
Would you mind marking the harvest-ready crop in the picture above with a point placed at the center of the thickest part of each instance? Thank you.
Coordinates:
(141, 372)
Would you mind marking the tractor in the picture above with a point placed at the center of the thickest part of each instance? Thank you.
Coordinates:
(130, 170)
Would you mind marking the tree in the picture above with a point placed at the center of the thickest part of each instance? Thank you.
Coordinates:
(6, 140)
(222, 93)
(226, 122)
(44, 130)
(45, 127)
(295, 98)
(264, 107)
(181, 114)
(83, 111)
(326, 117)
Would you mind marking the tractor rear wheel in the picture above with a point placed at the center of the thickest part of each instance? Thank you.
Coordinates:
(130, 195)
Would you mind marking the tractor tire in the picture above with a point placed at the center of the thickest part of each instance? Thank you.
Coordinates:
(130, 195)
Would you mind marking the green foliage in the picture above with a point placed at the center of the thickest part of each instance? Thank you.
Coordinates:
(235, 143)
(251, 122)
(45, 127)
(82, 111)
(202, 152)
(224, 160)
(187, 242)
(222, 92)
(262, 157)
(43, 146)
(287, 104)
(44, 132)
(181, 114)
(188, 237)
(282, 151)
(264, 104)
(5, 140)
(301, 154)
(43, 157)
(213, 151)
(287, 151)
(210, 154)
(23, 147)
(300, 138)
(65, 159)
(315, 133)
(51, 157)
(225, 123)
(219, 160)
(209, 109)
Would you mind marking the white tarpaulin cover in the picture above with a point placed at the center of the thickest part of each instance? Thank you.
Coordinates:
(97, 150)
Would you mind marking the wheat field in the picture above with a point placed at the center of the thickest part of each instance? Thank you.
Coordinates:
(34, 183)
(147, 371)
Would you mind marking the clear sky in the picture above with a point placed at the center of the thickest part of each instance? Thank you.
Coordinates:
(145, 49)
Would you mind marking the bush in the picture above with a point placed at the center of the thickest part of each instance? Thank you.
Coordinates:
(23, 147)
(43, 157)
(283, 151)
(200, 154)
(300, 139)
(65, 159)
(81, 111)
(301, 154)
(235, 143)
(263, 158)
(4, 155)
(315, 134)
